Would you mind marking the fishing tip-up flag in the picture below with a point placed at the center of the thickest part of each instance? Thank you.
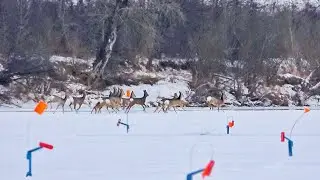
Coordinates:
(41, 107)
(208, 169)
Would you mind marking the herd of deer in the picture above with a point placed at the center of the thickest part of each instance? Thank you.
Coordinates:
(116, 100)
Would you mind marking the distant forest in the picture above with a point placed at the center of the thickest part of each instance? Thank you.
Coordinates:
(215, 32)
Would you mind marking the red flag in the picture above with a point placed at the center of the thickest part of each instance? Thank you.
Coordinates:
(45, 145)
(282, 136)
(208, 169)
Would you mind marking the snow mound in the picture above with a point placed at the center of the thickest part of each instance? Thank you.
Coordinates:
(70, 60)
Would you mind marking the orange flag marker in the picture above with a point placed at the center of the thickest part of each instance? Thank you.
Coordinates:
(231, 124)
(306, 109)
(128, 93)
(41, 107)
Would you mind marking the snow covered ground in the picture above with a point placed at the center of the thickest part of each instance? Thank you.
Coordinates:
(160, 146)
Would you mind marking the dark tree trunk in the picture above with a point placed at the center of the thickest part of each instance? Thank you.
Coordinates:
(110, 36)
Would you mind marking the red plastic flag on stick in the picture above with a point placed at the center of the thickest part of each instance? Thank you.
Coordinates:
(208, 169)
(45, 145)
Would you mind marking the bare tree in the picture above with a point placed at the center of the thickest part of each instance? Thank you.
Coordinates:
(133, 17)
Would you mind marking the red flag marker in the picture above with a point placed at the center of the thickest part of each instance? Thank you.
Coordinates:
(208, 169)
(282, 136)
(45, 145)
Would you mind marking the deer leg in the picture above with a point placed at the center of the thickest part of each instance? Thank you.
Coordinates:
(63, 108)
(158, 107)
(94, 108)
(174, 109)
(56, 108)
(107, 109)
(74, 106)
(80, 104)
(163, 108)
(70, 106)
(79, 107)
(115, 109)
(168, 107)
(128, 108)
(155, 109)
(126, 111)
(144, 109)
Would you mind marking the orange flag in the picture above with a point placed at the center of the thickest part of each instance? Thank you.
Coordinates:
(306, 109)
(231, 124)
(128, 93)
(41, 107)
(208, 169)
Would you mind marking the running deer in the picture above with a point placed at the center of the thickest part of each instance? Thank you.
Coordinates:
(177, 102)
(112, 101)
(117, 99)
(99, 105)
(161, 102)
(139, 101)
(78, 101)
(126, 101)
(214, 102)
(106, 102)
(61, 101)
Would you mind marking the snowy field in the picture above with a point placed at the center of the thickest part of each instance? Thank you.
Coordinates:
(160, 146)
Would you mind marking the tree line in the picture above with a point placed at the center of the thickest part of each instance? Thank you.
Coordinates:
(245, 34)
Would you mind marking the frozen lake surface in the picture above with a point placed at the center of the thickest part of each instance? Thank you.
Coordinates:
(160, 146)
